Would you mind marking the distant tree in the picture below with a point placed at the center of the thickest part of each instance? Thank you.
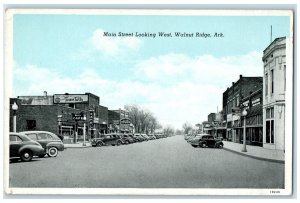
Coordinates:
(143, 120)
(178, 132)
(187, 127)
(168, 130)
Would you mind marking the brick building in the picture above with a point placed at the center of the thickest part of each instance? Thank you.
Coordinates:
(118, 121)
(56, 114)
(232, 102)
(211, 117)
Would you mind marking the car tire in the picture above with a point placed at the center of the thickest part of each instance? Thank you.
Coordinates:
(221, 146)
(26, 155)
(119, 143)
(42, 155)
(203, 145)
(99, 144)
(52, 152)
(194, 146)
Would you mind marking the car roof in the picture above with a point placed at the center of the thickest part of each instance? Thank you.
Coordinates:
(203, 135)
(23, 136)
(37, 131)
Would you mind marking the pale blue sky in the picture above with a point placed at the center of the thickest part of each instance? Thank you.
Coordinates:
(60, 48)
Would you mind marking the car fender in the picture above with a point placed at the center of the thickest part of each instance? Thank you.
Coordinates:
(59, 146)
(98, 141)
(35, 149)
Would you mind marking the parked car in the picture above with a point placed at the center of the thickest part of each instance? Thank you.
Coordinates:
(158, 135)
(139, 137)
(49, 141)
(206, 140)
(135, 139)
(21, 146)
(145, 136)
(108, 139)
(152, 137)
(127, 139)
(191, 137)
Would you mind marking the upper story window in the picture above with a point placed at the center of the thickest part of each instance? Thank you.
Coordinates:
(266, 84)
(272, 81)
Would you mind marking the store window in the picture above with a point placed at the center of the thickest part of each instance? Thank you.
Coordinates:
(270, 126)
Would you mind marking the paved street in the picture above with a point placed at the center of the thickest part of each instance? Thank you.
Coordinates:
(168, 162)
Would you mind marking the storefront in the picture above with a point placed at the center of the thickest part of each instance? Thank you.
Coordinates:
(254, 119)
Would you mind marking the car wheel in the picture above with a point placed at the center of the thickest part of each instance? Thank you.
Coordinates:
(220, 146)
(127, 142)
(194, 146)
(26, 155)
(203, 145)
(42, 155)
(119, 143)
(99, 144)
(52, 152)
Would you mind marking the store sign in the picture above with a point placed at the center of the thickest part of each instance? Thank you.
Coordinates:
(232, 117)
(255, 102)
(70, 98)
(116, 122)
(96, 120)
(125, 121)
(78, 116)
(246, 103)
(91, 118)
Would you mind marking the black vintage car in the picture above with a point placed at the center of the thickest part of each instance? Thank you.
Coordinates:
(108, 139)
(21, 146)
(206, 140)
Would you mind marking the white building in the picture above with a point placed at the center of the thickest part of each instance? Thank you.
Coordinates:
(274, 81)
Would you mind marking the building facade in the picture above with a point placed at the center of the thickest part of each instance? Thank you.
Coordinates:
(119, 121)
(274, 59)
(215, 125)
(254, 119)
(232, 104)
(58, 113)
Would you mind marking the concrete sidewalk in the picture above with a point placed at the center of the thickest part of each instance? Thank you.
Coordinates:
(78, 145)
(256, 152)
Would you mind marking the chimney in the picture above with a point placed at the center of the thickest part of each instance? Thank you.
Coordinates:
(45, 93)
(241, 76)
(232, 83)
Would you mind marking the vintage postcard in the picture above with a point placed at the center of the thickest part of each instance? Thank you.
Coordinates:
(148, 102)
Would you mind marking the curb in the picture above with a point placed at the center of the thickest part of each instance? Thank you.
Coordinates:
(73, 147)
(255, 157)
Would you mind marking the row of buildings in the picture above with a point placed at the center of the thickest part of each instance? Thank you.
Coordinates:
(67, 115)
(264, 100)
